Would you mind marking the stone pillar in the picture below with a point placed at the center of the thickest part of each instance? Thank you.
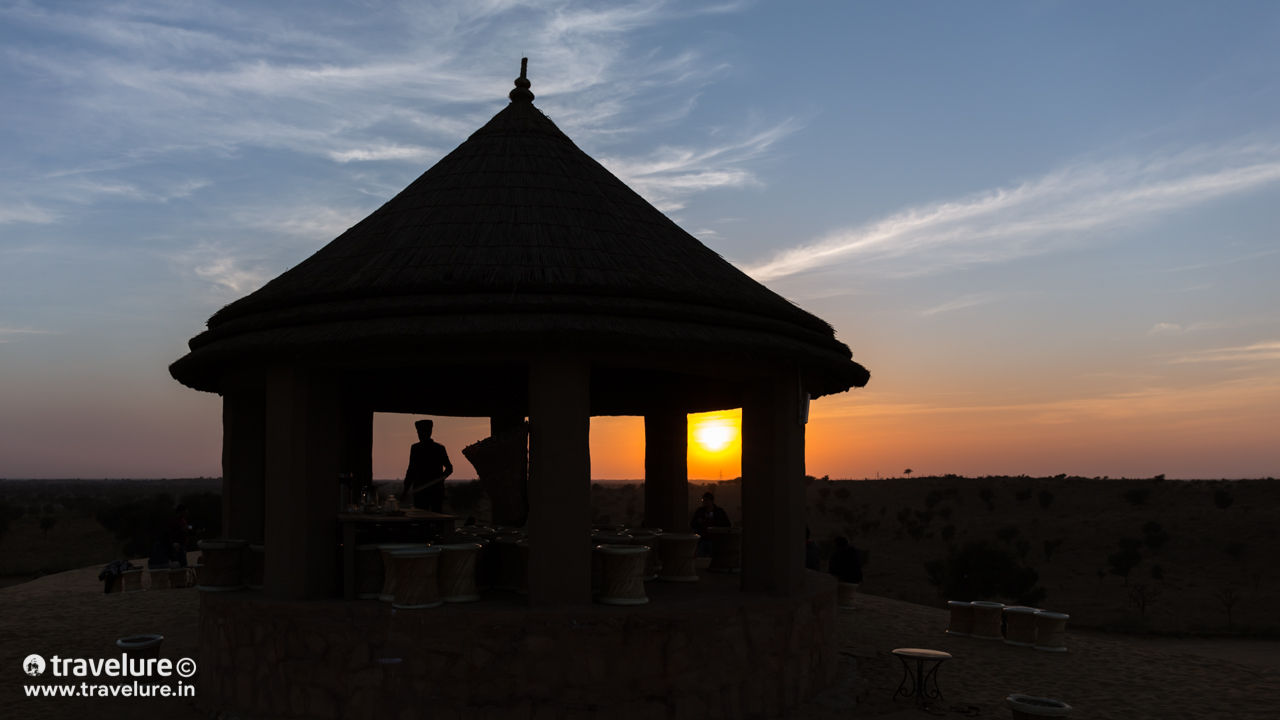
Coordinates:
(772, 487)
(244, 450)
(356, 441)
(302, 464)
(666, 470)
(559, 481)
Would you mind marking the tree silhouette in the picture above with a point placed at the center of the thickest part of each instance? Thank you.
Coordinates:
(1141, 597)
(1124, 561)
(1228, 597)
(47, 523)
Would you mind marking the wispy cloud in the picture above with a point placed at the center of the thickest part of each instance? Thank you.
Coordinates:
(8, 334)
(24, 213)
(670, 174)
(1070, 205)
(1244, 353)
(226, 273)
(960, 303)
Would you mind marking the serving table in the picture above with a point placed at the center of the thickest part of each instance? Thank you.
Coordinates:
(427, 523)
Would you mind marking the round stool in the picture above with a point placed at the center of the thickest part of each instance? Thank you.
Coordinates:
(159, 579)
(141, 646)
(255, 565)
(649, 539)
(222, 566)
(457, 572)
(1051, 630)
(726, 549)
(986, 619)
(1020, 626)
(598, 538)
(1025, 707)
(370, 572)
(415, 576)
(622, 574)
(961, 618)
(678, 551)
(845, 595)
(388, 593)
(131, 581)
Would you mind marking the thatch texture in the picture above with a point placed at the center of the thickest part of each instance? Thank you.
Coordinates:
(518, 239)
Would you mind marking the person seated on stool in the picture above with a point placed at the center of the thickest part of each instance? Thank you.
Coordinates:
(428, 467)
(708, 516)
(845, 563)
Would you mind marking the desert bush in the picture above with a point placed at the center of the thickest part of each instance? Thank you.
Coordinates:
(987, 494)
(945, 512)
(1154, 535)
(1023, 495)
(915, 530)
(1050, 547)
(924, 516)
(139, 523)
(1235, 550)
(1142, 597)
(1022, 546)
(464, 497)
(1137, 496)
(980, 570)
(842, 493)
(1126, 559)
(933, 498)
(46, 524)
(1007, 533)
(1229, 599)
(824, 492)
(1157, 572)
(1046, 499)
(1222, 498)
(948, 532)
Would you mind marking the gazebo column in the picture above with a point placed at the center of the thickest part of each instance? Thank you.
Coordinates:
(356, 441)
(302, 462)
(244, 447)
(559, 523)
(666, 470)
(772, 487)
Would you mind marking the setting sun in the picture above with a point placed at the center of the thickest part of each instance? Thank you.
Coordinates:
(715, 444)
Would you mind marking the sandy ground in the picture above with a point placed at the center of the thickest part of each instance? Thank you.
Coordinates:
(1103, 676)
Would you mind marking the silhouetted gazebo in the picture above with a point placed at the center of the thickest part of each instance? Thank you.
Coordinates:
(517, 278)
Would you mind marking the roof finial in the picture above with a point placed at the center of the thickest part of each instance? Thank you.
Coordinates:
(522, 93)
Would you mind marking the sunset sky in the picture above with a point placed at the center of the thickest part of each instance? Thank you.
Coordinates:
(1049, 229)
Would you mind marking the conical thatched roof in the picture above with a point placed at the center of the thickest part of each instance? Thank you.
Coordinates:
(517, 239)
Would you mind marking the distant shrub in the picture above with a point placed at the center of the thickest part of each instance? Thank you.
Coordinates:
(1007, 533)
(945, 512)
(464, 497)
(933, 498)
(1023, 495)
(1022, 546)
(824, 492)
(924, 516)
(48, 509)
(1137, 496)
(1060, 476)
(1157, 572)
(986, 494)
(1154, 535)
(46, 524)
(1046, 499)
(842, 493)
(1126, 559)
(948, 532)
(1222, 498)
(981, 570)
(1235, 550)
(139, 523)
(1050, 547)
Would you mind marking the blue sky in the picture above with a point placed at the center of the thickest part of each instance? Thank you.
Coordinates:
(1049, 229)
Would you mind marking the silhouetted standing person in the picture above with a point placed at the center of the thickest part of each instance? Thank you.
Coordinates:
(708, 516)
(428, 467)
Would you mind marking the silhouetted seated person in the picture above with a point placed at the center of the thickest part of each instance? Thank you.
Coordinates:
(812, 555)
(170, 551)
(845, 563)
(428, 467)
(708, 516)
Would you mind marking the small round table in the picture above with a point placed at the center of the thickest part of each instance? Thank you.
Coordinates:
(919, 682)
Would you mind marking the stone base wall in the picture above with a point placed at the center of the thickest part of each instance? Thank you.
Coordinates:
(707, 652)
